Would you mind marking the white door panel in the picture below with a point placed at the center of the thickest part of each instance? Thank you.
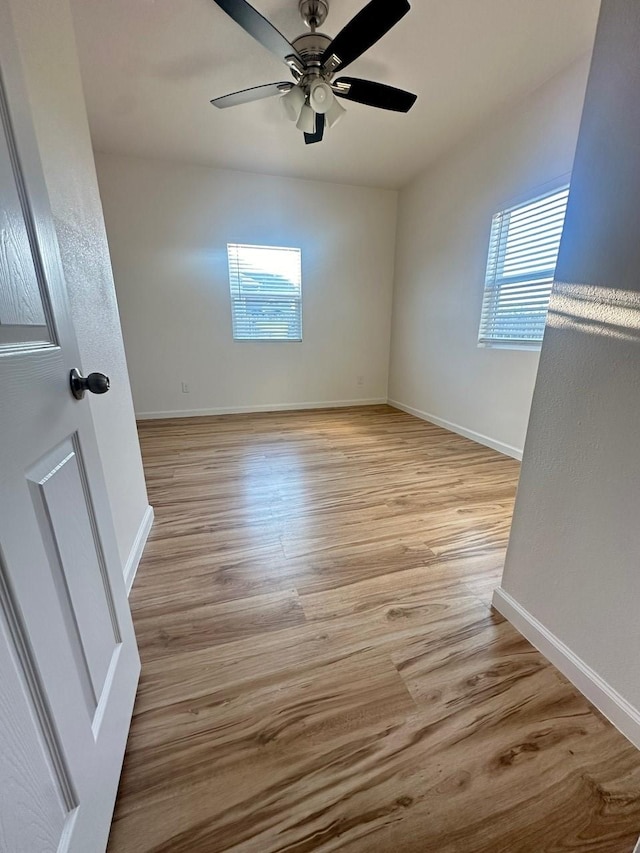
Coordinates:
(68, 529)
(68, 658)
(41, 800)
(20, 300)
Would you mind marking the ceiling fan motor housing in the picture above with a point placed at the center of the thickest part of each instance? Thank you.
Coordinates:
(311, 46)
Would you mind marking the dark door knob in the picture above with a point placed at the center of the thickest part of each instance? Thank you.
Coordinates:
(97, 383)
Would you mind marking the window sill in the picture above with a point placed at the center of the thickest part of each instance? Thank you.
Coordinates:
(510, 345)
(267, 340)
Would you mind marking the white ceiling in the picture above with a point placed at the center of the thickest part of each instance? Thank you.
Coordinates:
(150, 68)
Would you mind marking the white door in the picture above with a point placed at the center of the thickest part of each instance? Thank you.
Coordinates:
(68, 658)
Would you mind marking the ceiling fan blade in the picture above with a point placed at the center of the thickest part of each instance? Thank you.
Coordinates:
(374, 94)
(363, 31)
(262, 30)
(256, 93)
(310, 138)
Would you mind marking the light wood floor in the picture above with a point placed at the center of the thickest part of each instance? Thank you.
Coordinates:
(321, 667)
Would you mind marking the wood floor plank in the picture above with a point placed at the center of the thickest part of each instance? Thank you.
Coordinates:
(298, 712)
(322, 670)
(195, 628)
(198, 579)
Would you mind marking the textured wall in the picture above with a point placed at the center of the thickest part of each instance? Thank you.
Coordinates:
(573, 555)
(169, 225)
(46, 41)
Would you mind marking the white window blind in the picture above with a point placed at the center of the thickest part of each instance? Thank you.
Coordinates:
(266, 293)
(523, 251)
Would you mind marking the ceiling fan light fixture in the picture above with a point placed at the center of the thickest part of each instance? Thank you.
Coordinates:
(293, 102)
(334, 113)
(307, 120)
(321, 96)
(314, 57)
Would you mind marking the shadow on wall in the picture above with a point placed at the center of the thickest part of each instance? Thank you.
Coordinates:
(595, 310)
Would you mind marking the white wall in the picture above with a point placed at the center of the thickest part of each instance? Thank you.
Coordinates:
(573, 558)
(46, 41)
(168, 226)
(444, 221)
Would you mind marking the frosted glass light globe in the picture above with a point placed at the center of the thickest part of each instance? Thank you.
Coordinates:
(320, 96)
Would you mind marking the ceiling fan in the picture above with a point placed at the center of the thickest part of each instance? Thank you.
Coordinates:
(314, 58)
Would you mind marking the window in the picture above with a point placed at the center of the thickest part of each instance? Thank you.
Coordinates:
(266, 293)
(523, 251)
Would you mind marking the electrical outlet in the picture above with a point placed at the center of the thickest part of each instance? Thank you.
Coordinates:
(360, 380)
(185, 387)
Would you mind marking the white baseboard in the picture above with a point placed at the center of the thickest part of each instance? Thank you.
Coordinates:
(268, 407)
(137, 548)
(478, 437)
(615, 708)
